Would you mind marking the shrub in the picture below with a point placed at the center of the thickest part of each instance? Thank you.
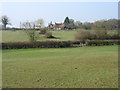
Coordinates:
(40, 44)
(77, 42)
(95, 35)
(32, 35)
(43, 30)
(95, 42)
(102, 42)
(82, 35)
(48, 34)
(99, 34)
(57, 44)
(115, 36)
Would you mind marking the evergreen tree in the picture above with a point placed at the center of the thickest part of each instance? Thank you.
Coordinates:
(66, 21)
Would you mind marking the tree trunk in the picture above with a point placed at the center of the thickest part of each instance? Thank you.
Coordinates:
(4, 26)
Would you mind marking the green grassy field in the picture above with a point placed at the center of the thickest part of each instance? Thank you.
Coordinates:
(83, 67)
(21, 36)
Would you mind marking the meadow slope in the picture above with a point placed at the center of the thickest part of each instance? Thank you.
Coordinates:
(83, 67)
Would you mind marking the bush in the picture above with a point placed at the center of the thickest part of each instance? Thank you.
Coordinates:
(99, 34)
(102, 42)
(32, 35)
(95, 35)
(40, 44)
(78, 42)
(48, 34)
(115, 36)
(95, 42)
(57, 44)
(43, 30)
(82, 35)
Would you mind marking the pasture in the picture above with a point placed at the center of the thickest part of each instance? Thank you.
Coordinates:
(21, 36)
(83, 67)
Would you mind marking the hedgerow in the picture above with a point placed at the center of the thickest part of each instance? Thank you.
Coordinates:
(40, 44)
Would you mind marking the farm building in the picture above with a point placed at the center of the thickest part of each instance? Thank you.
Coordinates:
(57, 26)
(60, 26)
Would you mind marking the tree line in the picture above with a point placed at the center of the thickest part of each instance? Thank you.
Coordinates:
(110, 24)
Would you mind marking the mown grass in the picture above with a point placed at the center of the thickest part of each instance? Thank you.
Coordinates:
(83, 67)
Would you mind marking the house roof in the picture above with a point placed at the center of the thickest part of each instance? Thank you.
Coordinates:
(57, 25)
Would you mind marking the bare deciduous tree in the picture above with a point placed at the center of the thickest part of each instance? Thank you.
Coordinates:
(4, 20)
(28, 25)
(30, 30)
(39, 23)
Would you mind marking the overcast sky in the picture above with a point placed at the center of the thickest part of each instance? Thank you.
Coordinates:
(57, 11)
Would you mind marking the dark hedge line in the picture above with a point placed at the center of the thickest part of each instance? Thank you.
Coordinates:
(102, 42)
(96, 42)
(57, 44)
(40, 44)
